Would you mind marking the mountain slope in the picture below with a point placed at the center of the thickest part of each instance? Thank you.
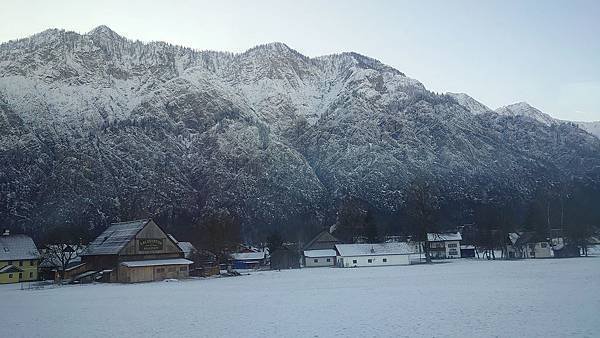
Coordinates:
(100, 128)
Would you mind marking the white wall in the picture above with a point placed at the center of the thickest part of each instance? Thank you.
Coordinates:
(449, 249)
(321, 261)
(348, 261)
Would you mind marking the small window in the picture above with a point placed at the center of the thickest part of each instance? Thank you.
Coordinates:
(10, 275)
(20, 275)
(544, 245)
(328, 259)
(183, 268)
(385, 260)
(354, 261)
(452, 245)
(316, 260)
(31, 275)
(9, 262)
(20, 263)
(369, 261)
(31, 263)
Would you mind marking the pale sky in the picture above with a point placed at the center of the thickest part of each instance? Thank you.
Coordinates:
(500, 52)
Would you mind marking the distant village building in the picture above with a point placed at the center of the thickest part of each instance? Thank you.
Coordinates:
(358, 255)
(467, 251)
(320, 251)
(19, 258)
(444, 245)
(136, 251)
(318, 258)
(54, 256)
(323, 240)
(248, 260)
(286, 257)
(528, 245)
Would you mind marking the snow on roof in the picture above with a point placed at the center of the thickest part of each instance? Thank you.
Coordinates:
(397, 248)
(323, 240)
(245, 256)
(157, 262)
(10, 269)
(186, 247)
(319, 253)
(442, 237)
(17, 247)
(114, 238)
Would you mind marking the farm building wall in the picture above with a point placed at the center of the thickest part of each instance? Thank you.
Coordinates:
(312, 262)
(378, 260)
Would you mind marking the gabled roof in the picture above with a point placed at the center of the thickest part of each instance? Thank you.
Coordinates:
(323, 240)
(443, 237)
(398, 248)
(10, 269)
(17, 247)
(186, 247)
(114, 238)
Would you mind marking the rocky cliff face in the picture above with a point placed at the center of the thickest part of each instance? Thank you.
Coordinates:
(96, 127)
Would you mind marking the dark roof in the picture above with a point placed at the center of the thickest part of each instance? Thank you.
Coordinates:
(529, 237)
(115, 238)
(17, 247)
(324, 240)
(10, 269)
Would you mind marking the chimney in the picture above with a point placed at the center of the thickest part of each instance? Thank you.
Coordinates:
(6, 232)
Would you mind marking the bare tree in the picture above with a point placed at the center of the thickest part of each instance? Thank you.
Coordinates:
(422, 204)
(62, 255)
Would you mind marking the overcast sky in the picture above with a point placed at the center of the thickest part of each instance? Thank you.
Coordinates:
(500, 52)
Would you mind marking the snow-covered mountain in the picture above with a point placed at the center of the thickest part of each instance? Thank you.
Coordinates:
(526, 110)
(96, 127)
(470, 103)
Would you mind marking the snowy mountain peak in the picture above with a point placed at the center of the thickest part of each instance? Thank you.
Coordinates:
(526, 110)
(469, 103)
(103, 31)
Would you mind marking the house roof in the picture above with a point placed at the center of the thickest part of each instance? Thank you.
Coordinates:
(10, 269)
(397, 248)
(186, 247)
(323, 240)
(443, 237)
(527, 237)
(17, 247)
(319, 253)
(248, 256)
(114, 238)
(157, 262)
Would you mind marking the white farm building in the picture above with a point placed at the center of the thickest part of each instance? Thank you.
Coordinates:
(315, 258)
(380, 254)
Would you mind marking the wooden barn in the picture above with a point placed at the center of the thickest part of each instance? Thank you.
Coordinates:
(136, 251)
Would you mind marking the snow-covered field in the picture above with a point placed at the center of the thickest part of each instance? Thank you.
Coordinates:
(529, 298)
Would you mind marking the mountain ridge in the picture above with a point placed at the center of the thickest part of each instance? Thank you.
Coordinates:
(101, 128)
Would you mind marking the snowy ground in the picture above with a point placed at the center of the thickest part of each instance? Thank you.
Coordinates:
(529, 298)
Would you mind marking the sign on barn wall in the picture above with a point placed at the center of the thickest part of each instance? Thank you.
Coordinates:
(150, 244)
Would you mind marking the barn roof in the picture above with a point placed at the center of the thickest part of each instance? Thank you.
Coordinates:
(186, 247)
(114, 238)
(157, 262)
(442, 237)
(323, 240)
(398, 248)
(17, 247)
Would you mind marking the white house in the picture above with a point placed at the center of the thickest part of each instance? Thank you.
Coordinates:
(528, 245)
(315, 258)
(357, 255)
(444, 245)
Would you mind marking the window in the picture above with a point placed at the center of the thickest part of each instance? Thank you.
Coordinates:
(31, 263)
(9, 263)
(328, 259)
(316, 260)
(160, 270)
(369, 261)
(544, 245)
(385, 260)
(20, 263)
(183, 268)
(452, 245)
(20, 275)
(31, 275)
(354, 261)
(453, 252)
(10, 275)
